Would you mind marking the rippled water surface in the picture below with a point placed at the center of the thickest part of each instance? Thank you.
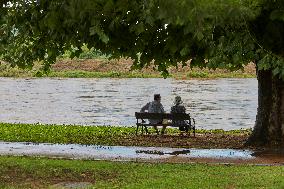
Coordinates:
(222, 103)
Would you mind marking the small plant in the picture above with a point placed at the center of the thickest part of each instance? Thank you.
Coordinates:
(194, 74)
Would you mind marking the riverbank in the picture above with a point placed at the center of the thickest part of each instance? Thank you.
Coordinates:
(103, 68)
(172, 172)
(120, 136)
(24, 172)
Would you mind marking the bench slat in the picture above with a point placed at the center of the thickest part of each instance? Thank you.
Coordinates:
(177, 116)
(149, 124)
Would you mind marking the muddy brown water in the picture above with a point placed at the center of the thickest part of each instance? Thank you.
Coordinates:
(215, 104)
(135, 153)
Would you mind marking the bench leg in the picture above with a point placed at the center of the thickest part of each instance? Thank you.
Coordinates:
(142, 129)
(146, 130)
(137, 129)
(187, 129)
(193, 127)
(156, 129)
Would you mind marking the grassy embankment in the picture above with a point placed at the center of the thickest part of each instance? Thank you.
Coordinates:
(23, 172)
(125, 136)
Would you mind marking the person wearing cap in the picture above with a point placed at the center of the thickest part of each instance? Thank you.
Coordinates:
(178, 107)
(155, 107)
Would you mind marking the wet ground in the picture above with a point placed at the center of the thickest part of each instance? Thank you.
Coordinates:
(148, 154)
(206, 140)
(215, 104)
(72, 185)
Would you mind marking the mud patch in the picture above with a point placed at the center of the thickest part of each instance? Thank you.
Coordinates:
(206, 141)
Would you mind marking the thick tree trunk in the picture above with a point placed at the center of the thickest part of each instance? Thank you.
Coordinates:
(269, 125)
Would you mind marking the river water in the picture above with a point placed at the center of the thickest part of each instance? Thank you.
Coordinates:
(215, 104)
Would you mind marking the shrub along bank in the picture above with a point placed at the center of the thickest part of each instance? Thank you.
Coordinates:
(103, 68)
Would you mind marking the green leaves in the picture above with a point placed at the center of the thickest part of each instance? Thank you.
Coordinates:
(213, 33)
(265, 63)
(277, 15)
(97, 30)
(138, 28)
(273, 63)
(185, 51)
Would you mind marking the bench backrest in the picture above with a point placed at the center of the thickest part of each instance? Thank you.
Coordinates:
(175, 116)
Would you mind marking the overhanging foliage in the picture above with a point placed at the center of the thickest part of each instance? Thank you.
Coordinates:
(210, 33)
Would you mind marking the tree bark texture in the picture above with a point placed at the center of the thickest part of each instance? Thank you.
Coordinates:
(269, 124)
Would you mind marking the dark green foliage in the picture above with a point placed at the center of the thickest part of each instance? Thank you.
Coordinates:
(212, 33)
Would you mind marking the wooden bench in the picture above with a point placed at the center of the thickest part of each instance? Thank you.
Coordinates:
(160, 116)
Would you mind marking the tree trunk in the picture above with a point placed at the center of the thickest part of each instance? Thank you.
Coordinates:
(269, 125)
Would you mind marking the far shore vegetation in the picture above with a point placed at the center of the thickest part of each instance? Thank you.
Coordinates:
(93, 64)
(120, 136)
(7, 71)
(36, 172)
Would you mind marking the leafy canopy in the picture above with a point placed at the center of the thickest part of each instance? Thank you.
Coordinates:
(210, 33)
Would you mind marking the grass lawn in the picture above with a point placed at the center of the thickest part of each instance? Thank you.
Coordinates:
(23, 172)
(119, 136)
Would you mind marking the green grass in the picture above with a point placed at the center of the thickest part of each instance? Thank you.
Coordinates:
(63, 133)
(206, 74)
(112, 74)
(23, 172)
(15, 72)
(104, 135)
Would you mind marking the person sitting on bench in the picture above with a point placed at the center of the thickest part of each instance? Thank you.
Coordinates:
(179, 108)
(155, 107)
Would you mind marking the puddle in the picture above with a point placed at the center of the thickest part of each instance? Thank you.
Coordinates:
(204, 153)
(116, 152)
(133, 153)
(163, 153)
